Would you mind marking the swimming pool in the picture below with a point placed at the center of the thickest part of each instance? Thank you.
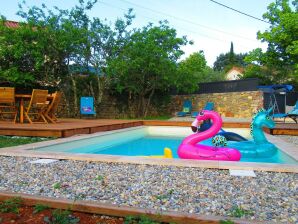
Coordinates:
(146, 141)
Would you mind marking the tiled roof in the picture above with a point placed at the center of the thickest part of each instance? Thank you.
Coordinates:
(11, 24)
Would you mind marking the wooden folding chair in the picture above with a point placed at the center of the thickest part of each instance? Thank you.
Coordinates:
(37, 106)
(52, 108)
(7, 102)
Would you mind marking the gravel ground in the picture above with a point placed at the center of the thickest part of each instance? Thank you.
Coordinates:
(269, 196)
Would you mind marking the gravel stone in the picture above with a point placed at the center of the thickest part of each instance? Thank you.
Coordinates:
(270, 196)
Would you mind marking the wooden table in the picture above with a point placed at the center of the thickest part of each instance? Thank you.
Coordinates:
(25, 97)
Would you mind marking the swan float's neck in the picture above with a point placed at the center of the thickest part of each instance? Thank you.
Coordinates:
(216, 126)
(258, 135)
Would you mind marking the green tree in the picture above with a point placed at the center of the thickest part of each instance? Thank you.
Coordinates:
(146, 64)
(194, 70)
(225, 61)
(41, 49)
(213, 76)
(52, 46)
(281, 58)
(17, 60)
(232, 55)
(191, 71)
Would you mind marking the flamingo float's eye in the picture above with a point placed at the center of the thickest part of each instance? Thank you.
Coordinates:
(201, 113)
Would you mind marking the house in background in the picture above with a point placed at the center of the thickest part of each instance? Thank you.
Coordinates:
(234, 73)
(11, 24)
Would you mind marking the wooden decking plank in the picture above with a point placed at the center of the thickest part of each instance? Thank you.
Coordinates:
(70, 127)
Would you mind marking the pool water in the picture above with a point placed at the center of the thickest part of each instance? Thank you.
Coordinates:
(145, 142)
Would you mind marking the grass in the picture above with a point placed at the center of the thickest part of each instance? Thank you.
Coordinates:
(39, 208)
(61, 217)
(139, 220)
(8, 141)
(226, 222)
(57, 185)
(239, 212)
(11, 205)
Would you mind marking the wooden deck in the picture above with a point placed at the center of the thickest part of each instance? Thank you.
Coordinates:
(283, 129)
(70, 127)
(66, 127)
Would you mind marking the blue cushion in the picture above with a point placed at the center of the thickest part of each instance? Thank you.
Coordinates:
(209, 106)
(295, 112)
(194, 114)
(181, 114)
(87, 105)
(279, 115)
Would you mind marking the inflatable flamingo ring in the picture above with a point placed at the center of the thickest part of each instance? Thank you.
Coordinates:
(189, 149)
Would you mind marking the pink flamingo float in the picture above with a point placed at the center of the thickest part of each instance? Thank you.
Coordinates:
(189, 149)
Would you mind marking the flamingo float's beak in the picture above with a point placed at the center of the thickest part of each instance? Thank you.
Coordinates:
(195, 125)
(194, 129)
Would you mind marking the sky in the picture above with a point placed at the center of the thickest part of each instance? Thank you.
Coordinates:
(211, 26)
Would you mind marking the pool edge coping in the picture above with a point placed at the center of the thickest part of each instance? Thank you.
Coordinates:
(28, 151)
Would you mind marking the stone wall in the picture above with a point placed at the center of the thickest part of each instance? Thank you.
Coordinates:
(231, 104)
(108, 108)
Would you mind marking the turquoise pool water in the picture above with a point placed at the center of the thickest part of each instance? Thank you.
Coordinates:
(141, 143)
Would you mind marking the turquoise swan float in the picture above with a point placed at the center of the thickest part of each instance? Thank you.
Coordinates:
(259, 147)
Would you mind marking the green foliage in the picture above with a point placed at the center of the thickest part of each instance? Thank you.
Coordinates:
(39, 208)
(225, 62)
(165, 196)
(266, 75)
(40, 51)
(61, 217)
(139, 220)
(56, 48)
(7, 141)
(226, 222)
(146, 63)
(191, 71)
(281, 56)
(57, 185)
(11, 205)
(99, 177)
(214, 75)
(239, 212)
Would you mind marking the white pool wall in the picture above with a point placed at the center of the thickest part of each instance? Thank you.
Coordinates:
(107, 139)
(185, 131)
(111, 138)
(169, 131)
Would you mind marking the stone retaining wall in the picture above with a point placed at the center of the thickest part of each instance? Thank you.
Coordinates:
(232, 104)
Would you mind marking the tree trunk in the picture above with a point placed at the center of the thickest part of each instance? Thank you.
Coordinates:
(100, 90)
(149, 102)
(93, 95)
(75, 96)
(92, 90)
(140, 105)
